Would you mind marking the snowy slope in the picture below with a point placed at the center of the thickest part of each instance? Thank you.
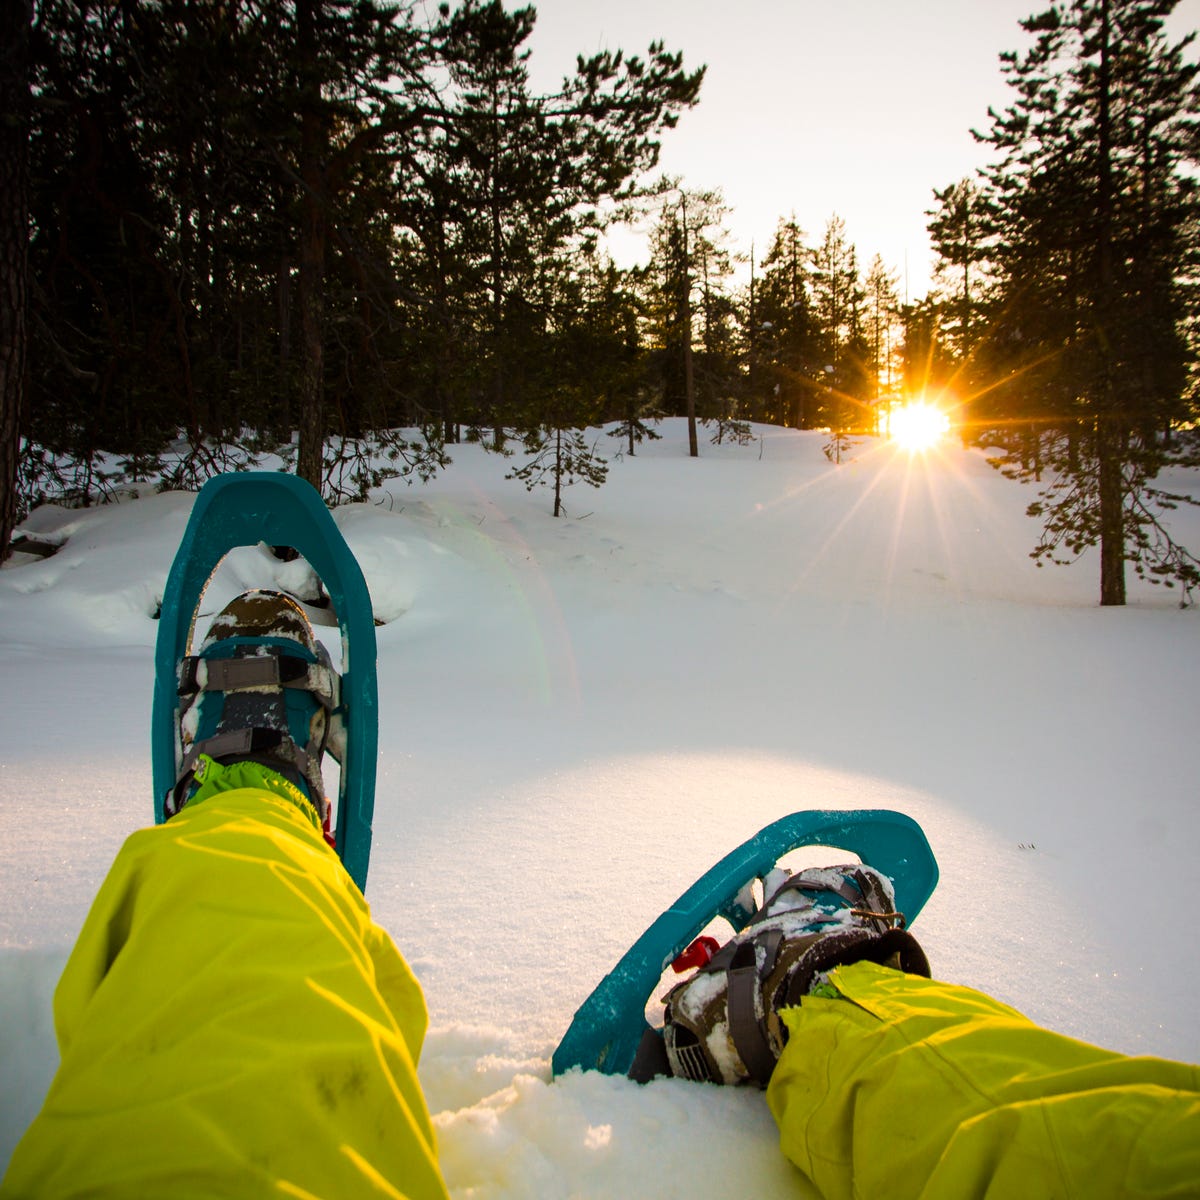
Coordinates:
(580, 716)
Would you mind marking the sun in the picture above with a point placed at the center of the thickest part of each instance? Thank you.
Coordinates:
(917, 426)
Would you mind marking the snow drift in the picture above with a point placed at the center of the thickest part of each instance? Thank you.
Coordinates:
(580, 716)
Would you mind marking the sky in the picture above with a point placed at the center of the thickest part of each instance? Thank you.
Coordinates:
(859, 108)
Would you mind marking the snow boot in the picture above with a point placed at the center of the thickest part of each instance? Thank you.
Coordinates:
(722, 1024)
(261, 690)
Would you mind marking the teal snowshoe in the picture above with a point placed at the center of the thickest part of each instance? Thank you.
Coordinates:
(297, 701)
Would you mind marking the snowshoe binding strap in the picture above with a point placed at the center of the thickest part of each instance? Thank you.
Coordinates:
(269, 747)
(722, 1024)
(197, 674)
(261, 688)
(747, 1024)
(868, 895)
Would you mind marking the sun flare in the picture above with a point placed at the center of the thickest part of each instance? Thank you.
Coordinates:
(917, 426)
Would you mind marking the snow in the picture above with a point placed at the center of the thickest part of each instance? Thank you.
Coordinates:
(580, 716)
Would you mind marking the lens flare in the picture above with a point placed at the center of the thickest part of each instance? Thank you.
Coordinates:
(917, 426)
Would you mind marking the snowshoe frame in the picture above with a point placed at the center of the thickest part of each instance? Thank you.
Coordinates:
(608, 1027)
(244, 509)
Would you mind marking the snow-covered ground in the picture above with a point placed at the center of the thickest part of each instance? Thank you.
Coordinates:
(580, 716)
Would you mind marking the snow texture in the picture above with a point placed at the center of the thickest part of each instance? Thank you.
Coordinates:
(578, 717)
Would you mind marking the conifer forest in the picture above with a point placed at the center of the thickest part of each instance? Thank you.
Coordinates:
(351, 233)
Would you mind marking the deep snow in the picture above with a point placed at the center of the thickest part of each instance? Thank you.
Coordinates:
(580, 716)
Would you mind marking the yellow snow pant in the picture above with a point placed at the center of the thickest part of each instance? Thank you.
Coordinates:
(232, 1023)
(909, 1087)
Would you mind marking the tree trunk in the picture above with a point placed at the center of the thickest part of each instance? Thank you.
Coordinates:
(498, 343)
(689, 375)
(752, 347)
(1110, 439)
(283, 367)
(15, 18)
(1111, 453)
(689, 379)
(558, 472)
(496, 219)
(442, 368)
(311, 282)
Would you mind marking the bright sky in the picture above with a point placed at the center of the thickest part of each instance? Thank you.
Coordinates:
(854, 107)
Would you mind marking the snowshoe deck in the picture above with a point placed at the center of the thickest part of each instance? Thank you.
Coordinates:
(608, 1027)
(282, 510)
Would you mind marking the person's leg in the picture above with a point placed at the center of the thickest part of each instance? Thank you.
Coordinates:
(908, 1087)
(231, 1022)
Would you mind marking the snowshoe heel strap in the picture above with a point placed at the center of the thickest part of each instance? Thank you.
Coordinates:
(238, 745)
(747, 1027)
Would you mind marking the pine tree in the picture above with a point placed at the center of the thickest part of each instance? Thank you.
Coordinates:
(837, 295)
(1093, 206)
(784, 331)
(957, 230)
(534, 172)
(352, 59)
(597, 347)
(720, 382)
(960, 231)
(559, 457)
(860, 385)
(884, 338)
(690, 313)
(104, 362)
(580, 339)
(174, 167)
(288, 214)
(668, 307)
(506, 169)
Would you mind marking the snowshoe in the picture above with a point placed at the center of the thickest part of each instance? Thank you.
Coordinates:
(850, 907)
(246, 509)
